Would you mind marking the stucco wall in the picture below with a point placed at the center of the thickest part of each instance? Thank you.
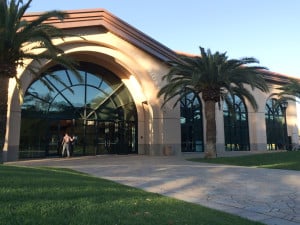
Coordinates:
(139, 61)
(139, 71)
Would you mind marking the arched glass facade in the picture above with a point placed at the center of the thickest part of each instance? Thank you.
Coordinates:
(97, 109)
(236, 126)
(191, 123)
(275, 125)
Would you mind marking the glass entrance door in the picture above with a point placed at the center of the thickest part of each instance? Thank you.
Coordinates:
(116, 137)
(98, 109)
(107, 138)
(92, 137)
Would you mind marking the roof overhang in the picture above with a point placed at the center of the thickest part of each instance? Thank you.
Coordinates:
(101, 17)
(277, 78)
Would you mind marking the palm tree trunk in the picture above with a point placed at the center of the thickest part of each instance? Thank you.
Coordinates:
(3, 111)
(211, 132)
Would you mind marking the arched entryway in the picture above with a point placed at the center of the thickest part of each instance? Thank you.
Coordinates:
(97, 108)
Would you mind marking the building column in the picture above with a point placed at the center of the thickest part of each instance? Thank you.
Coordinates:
(13, 125)
(257, 131)
(220, 141)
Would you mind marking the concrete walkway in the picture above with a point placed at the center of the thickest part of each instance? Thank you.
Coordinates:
(269, 196)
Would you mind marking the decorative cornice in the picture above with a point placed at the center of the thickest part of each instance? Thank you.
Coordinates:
(101, 17)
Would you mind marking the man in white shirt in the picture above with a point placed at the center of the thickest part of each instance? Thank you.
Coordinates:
(66, 144)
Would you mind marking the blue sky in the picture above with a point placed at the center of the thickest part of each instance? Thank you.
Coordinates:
(268, 30)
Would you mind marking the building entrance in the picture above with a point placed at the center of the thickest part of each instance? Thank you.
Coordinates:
(97, 110)
(91, 137)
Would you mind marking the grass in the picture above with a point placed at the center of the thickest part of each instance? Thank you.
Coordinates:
(59, 196)
(278, 160)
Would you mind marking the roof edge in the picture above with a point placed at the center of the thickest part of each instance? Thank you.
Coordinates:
(101, 17)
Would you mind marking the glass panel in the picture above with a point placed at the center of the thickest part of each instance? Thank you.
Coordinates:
(191, 124)
(93, 80)
(58, 80)
(33, 107)
(236, 126)
(74, 95)
(108, 111)
(33, 143)
(81, 109)
(95, 99)
(275, 126)
(106, 88)
(73, 79)
(60, 104)
(39, 90)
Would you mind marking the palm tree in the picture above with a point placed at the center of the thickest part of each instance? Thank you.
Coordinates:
(290, 90)
(218, 79)
(19, 42)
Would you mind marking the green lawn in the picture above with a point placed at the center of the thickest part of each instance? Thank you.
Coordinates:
(58, 196)
(278, 160)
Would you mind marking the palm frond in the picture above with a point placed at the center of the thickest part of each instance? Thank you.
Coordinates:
(288, 92)
(291, 88)
(211, 74)
(21, 40)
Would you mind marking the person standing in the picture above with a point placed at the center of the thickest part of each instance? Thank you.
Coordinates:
(66, 142)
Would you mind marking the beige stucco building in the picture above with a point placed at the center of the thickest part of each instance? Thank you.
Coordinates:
(115, 105)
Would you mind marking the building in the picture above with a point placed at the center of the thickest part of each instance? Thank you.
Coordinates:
(113, 108)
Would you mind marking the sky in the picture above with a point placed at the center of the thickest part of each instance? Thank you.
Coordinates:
(268, 30)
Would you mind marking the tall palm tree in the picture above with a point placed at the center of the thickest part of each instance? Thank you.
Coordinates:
(20, 41)
(217, 78)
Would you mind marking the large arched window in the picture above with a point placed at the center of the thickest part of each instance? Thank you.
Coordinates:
(191, 123)
(236, 126)
(275, 125)
(97, 108)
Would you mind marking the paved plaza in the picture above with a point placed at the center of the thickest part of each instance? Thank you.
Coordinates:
(266, 195)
